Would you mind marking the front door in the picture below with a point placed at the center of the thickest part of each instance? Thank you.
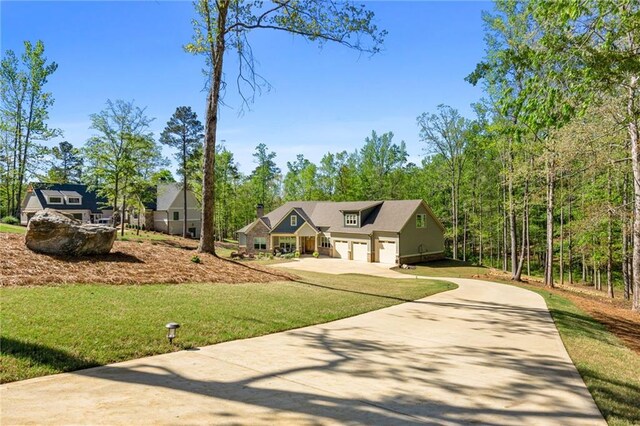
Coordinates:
(309, 244)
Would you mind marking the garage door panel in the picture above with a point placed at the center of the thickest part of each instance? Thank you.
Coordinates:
(387, 252)
(360, 252)
(341, 249)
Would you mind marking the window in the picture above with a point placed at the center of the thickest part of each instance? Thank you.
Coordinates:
(351, 219)
(287, 244)
(260, 243)
(176, 215)
(55, 200)
(294, 220)
(421, 220)
(73, 200)
(325, 242)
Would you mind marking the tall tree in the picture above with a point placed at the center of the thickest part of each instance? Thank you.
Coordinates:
(24, 109)
(444, 134)
(66, 164)
(380, 162)
(597, 43)
(109, 153)
(224, 23)
(264, 175)
(184, 133)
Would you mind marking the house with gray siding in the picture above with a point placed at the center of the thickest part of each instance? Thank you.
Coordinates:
(393, 232)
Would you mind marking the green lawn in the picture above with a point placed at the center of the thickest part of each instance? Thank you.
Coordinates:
(12, 229)
(47, 330)
(609, 369)
(445, 268)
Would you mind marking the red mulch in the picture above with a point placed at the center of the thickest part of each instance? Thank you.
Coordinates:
(128, 263)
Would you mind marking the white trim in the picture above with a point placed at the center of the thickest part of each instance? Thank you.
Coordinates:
(348, 216)
(293, 219)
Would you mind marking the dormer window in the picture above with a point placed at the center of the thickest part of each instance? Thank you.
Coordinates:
(351, 219)
(294, 220)
(73, 200)
(55, 200)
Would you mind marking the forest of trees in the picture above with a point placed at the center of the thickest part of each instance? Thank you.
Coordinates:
(543, 179)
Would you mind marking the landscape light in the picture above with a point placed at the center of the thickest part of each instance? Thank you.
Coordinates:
(171, 330)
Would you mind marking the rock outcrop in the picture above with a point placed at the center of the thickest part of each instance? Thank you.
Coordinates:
(53, 232)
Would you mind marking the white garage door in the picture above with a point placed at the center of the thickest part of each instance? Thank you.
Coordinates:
(360, 251)
(387, 252)
(341, 249)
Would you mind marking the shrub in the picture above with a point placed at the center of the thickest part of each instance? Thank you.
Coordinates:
(10, 220)
(196, 259)
(297, 254)
(287, 256)
(316, 254)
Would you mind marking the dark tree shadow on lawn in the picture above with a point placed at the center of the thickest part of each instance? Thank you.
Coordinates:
(57, 359)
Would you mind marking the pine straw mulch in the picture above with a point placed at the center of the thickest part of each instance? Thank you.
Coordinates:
(615, 314)
(128, 263)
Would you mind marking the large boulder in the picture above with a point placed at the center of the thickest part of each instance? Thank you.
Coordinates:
(53, 232)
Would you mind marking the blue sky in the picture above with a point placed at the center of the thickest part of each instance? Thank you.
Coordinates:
(321, 100)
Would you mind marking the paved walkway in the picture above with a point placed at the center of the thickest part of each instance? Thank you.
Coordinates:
(484, 353)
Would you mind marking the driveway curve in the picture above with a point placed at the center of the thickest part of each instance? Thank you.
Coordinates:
(484, 353)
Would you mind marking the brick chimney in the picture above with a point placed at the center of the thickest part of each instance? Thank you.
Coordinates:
(259, 211)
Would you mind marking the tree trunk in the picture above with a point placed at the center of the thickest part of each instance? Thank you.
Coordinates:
(481, 246)
(504, 227)
(207, 235)
(464, 237)
(184, 186)
(626, 276)
(548, 269)
(569, 241)
(561, 233)
(635, 164)
(609, 236)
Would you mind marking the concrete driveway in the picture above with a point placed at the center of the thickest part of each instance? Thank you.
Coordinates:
(484, 353)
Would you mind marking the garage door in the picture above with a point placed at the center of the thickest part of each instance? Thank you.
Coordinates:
(360, 251)
(387, 252)
(341, 249)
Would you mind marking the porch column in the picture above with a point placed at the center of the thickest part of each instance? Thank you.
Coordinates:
(317, 236)
(298, 244)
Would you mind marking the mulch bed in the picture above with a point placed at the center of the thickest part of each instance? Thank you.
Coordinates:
(615, 314)
(129, 262)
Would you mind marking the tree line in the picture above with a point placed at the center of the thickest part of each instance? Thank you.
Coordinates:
(543, 179)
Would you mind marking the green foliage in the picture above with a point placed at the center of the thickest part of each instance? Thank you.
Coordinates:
(122, 159)
(10, 220)
(66, 164)
(24, 110)
(316, 254)
(196, 259)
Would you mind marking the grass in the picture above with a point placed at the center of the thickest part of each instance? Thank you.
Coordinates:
(47, 330)
(130, 235)
(445, 268)
(12, 229)
(607, 366)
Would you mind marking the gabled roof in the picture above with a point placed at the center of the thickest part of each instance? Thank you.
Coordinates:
(89, 199)
(167, 194)
(328, 216)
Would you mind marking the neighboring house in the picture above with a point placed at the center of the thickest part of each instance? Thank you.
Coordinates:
(168, 216)
(73, 199)
(394, 232)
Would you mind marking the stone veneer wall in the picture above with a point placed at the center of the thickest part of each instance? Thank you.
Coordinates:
(259, 230)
